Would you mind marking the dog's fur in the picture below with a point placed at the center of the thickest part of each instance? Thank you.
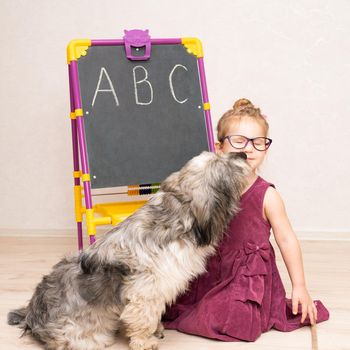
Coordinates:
(129, 275)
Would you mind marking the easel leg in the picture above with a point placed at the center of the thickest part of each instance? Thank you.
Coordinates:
(76, 166)
(77, 187)
(80, 235)
(80, 149)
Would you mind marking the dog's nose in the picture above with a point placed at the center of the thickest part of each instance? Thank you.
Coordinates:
(242, 155)
(236, 155)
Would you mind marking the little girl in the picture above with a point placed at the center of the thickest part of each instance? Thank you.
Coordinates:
(241, 295)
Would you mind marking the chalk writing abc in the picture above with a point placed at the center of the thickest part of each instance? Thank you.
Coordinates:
(140, 78)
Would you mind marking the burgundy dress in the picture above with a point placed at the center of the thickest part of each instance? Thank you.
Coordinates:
(241, 295)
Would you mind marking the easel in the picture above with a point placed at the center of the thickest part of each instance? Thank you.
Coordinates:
(113, 213)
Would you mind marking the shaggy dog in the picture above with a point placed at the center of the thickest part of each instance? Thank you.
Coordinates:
(126, 278)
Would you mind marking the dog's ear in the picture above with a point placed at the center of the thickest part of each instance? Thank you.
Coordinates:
(202, 234)
(209, 218)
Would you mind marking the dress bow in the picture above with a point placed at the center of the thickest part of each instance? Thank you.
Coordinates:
(262, 249)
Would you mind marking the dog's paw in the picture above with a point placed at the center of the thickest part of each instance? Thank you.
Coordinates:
(144, 344)
(159, 333)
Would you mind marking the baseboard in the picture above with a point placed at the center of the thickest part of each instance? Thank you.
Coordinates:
(306, 235)
(37, 232)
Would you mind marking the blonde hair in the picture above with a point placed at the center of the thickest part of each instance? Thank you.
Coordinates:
(242, 108)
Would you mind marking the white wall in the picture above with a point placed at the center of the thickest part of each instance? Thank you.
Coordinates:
(292, 58)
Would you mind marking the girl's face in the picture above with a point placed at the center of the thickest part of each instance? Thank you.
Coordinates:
(250, 129)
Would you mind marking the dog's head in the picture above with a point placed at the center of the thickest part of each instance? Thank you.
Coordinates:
(211, 185)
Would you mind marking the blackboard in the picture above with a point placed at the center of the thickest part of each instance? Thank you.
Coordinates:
(143, 119)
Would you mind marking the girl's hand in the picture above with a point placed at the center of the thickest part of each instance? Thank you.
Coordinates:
(301, 296)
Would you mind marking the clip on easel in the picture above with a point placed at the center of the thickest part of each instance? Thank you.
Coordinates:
(139, 133)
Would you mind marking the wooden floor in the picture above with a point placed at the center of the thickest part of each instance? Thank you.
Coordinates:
(23, 260)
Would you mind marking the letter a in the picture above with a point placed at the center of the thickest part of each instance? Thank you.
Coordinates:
(144, 80)
(98, 90)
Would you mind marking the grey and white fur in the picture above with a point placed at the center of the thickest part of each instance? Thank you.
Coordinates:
(128, 276)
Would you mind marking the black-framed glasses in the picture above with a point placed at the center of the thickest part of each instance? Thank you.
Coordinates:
(240, 142)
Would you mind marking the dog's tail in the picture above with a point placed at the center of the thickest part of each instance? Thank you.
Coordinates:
(17, 317)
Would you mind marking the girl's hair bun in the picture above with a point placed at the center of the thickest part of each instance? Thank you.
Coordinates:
(242, 104)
